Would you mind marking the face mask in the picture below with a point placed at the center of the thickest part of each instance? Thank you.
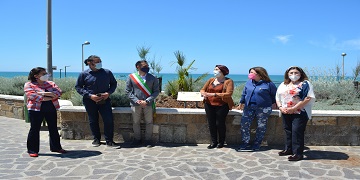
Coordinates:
(294, 77)
(44, 77)
(251, 76)
(217, 73)
(145, 69)
(98, 65)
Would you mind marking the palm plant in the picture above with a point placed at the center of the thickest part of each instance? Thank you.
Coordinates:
(185, 82)
(143, 51)
(154, 66)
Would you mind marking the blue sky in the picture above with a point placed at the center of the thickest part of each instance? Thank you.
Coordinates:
(240, 34)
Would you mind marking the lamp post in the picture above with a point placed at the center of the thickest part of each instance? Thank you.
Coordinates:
(343, 55)
(82, 52)
(65, 70)
(60, 73)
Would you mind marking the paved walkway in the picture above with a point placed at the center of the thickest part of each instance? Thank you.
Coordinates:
(165, 161)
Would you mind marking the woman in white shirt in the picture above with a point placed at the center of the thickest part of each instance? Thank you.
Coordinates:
(295, 97)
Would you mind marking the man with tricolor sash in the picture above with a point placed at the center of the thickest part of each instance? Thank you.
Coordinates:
(142, 88)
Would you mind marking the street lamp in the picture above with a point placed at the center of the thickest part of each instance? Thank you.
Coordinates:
(65, 70)
(343, 55)
(82, 52)
(60, 73)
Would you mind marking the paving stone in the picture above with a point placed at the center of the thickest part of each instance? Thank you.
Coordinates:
(234, 174)
(315, 171)
(334, 173)
(155, 176)
(174, 172)
(81, 170)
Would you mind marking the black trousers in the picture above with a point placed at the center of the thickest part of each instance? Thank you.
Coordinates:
(105, 110)
(216, 116)
(294, 126)
(48, 112)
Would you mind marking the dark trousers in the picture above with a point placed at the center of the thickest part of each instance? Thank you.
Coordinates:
(105, 110)
(216, 116)
(36, 118)
(294, 126)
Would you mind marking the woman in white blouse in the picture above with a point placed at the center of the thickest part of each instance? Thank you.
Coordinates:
(295, 97)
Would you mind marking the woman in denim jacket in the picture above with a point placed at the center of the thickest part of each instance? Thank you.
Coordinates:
(256, 101)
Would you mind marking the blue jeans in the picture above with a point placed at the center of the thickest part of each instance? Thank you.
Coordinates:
(48, 112)
(251, 112)
(105, 110)
(294, 126)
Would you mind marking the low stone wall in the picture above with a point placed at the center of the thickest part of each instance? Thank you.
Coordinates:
(190, 126)
(12, 106)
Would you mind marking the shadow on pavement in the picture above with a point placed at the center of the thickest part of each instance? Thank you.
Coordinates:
(327, 155)
(128, 145)
(73, 154)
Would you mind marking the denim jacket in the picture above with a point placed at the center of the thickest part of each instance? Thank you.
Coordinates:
(263, 91)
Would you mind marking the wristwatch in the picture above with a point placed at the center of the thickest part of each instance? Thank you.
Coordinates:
(147, 101)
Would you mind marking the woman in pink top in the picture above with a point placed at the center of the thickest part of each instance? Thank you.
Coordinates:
(42, 102)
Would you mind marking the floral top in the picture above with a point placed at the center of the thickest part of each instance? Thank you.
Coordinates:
(289, 95)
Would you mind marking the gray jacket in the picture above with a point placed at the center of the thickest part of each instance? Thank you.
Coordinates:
(134, 93)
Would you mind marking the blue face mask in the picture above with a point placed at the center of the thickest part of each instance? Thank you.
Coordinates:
(145, 69)
(98, 65)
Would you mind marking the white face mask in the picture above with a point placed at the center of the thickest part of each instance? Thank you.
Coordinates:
(44, 77)
(217, 73)
(294, 77)
(98, 65)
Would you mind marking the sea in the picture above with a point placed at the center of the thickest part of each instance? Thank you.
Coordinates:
(237, 78)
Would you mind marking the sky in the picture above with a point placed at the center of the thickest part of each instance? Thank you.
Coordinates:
(239, 34)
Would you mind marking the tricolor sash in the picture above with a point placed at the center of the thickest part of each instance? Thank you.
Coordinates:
(142, 86)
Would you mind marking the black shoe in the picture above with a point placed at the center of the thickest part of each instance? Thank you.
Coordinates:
(244, 147)
(220, 145)
(112, 144)
(149, 144)
(285, 152)
(295, 157)
(135, 143)
(212, 146)
(256, 147)
(96, 143)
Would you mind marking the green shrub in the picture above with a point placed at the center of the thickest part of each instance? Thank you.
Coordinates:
(13, 86)
(237, 93)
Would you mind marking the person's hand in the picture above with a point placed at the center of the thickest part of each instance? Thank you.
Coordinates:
(142, 103)
(286, 110)
(291, 110)
(240, 107)
(46, 98)
(47, 94)
(96, 98)
(204, 94)
(282, 110)
(105, 95)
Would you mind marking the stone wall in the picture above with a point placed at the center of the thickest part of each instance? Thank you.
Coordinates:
(190, 126)
(12, 106)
